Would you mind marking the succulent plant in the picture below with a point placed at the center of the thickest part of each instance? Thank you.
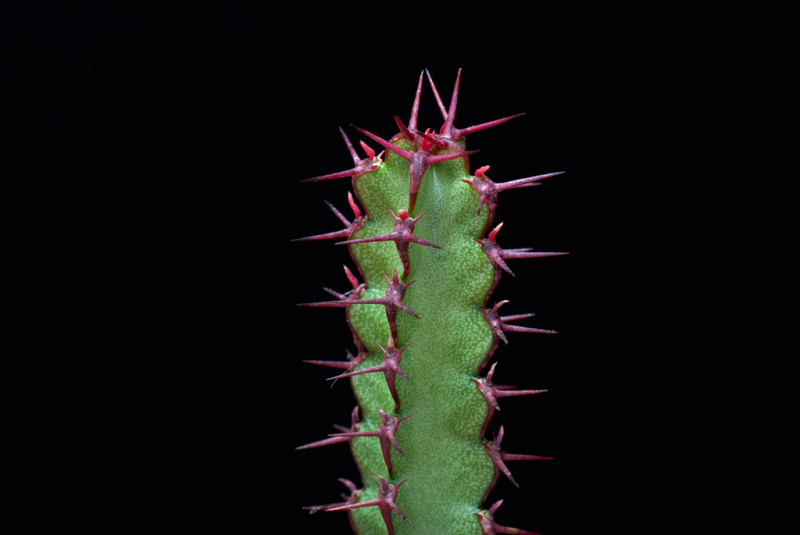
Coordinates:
(425, 324)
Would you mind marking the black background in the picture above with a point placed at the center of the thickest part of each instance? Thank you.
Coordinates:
(158, 383)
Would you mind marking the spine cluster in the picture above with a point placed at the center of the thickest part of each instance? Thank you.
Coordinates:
(423, 313)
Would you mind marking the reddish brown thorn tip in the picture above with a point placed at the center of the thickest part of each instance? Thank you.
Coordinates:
(385, 502)
(447, 128)
(493, 233)
(355, 424)
(444, 157)
(490, 527)
(436, 95)
(342, 364)
(412, 121)
(352, 278)
(350, 227)
(353, 153)
(459, 133)
(351, 498)
(368, 150)
(386, 433)
(522, 182)
(324, 442)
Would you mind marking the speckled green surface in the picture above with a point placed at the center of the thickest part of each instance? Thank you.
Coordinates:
(447, 468)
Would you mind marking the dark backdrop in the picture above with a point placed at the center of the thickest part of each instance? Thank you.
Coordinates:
(158, 385)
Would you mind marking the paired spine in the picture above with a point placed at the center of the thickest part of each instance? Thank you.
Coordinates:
(424, 300)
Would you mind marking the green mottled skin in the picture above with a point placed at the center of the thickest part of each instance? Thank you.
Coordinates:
(446, 467)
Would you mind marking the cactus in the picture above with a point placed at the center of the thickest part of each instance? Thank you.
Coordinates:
(425, 325)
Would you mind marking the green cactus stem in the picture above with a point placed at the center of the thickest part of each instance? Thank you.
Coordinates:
(429, 271)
